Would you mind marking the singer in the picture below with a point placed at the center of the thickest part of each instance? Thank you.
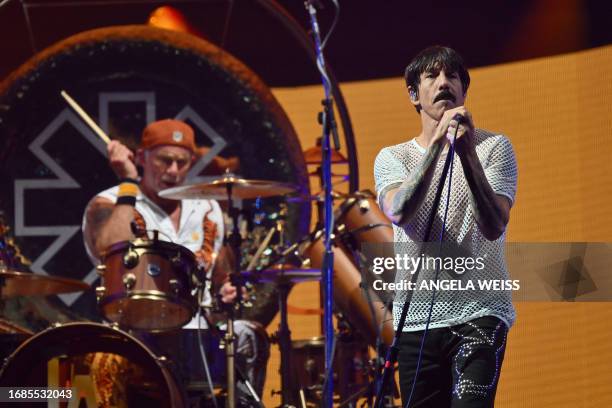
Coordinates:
(166, 153)
(464, 344)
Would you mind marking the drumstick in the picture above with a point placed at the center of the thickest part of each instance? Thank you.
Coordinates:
(261, 248)
(86, 118)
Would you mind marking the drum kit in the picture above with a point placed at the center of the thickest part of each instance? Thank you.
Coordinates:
(150, 285)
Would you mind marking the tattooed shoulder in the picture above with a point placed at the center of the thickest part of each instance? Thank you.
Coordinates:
(98, 212)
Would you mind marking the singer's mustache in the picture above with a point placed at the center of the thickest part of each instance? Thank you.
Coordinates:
(445, 95)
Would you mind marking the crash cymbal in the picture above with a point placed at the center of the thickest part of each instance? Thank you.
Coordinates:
(283, 273)
(217, 189)
(15, 283)
(313, 156)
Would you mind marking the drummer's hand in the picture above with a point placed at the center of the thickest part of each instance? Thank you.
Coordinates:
(228, 292)
(121, 160)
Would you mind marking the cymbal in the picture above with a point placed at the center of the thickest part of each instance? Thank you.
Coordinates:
(288, 274)
(313, 156)
(317, 197)
(30, 284)
(217, 189)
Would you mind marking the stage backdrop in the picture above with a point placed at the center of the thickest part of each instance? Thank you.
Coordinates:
(556, 111)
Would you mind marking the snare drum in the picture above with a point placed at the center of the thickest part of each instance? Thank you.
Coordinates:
(107, 366)
(147, 285)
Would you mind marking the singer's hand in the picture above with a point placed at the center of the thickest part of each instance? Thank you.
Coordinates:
(447, 127)
(121, 160)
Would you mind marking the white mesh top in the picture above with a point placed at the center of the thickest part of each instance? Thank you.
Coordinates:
(391, 167)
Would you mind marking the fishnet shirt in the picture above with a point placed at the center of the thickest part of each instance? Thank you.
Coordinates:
(392, 166)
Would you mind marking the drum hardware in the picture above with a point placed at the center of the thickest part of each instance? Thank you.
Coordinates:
(100, 269)
(130, 259)
(129, 279)
(100, 290)
(175, 285)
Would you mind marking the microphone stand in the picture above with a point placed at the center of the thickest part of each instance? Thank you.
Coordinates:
(326, 119)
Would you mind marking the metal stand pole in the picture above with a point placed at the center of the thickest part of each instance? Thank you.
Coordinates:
(230, 350)
(288, 384)
(328, 123)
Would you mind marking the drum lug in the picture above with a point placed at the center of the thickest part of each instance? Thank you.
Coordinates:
(175, 286)
(130, 259)
(364, 206)
(100, 292)
(100, 269)
(55, 325)
(129, 280)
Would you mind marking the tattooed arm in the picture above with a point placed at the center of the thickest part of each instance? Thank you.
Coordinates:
(106, 224)
(401, 203)
(491, 210)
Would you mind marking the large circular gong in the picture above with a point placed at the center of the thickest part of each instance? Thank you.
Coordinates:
(126, 77)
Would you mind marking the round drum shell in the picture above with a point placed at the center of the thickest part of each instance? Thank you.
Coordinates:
(27, 366)
(159, 297)
(349, 297)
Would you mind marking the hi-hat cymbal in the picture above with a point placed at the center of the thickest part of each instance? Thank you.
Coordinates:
(30, 284)
(217, 189)
(283, 273)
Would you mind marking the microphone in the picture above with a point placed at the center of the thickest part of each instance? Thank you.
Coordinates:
(459, 118)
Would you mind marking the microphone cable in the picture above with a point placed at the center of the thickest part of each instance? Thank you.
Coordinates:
(451, 151)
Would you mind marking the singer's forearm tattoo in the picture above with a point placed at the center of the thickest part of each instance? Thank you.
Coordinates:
(410, 194)
(491, 211)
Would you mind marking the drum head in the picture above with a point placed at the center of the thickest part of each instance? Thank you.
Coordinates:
(107, 365)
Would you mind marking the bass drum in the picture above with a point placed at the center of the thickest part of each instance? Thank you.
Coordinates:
(107, 366)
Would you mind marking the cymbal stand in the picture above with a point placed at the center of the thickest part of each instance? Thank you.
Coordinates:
(230, 346)
(289, 397)
(289, 393)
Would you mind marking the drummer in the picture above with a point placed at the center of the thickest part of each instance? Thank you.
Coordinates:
(166, 153)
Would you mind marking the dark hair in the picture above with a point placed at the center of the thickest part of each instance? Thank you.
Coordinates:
(436, 57)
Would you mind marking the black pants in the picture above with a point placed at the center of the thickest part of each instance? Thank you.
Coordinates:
(460, 365)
